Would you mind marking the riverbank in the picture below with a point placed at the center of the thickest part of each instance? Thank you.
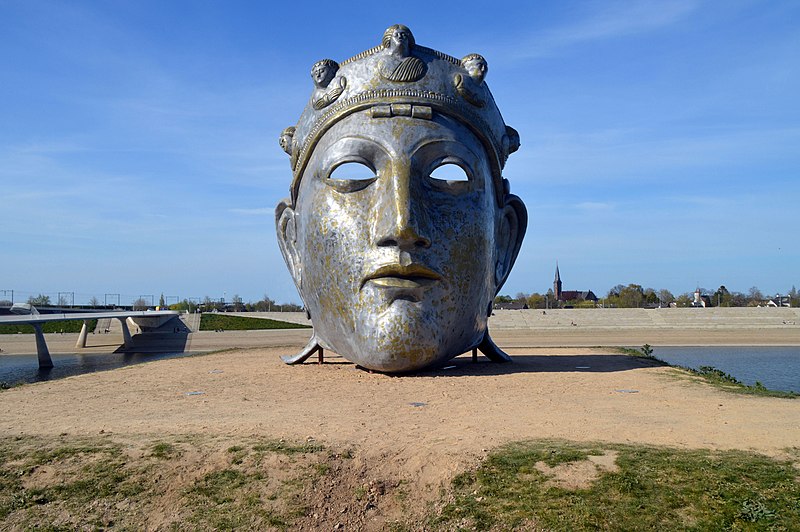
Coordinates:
(511, 329)
(417, 432)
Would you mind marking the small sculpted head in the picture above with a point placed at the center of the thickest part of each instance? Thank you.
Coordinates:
(323, 72)
(476, 66)
(400, 228)
(285, 139)
(398, 39)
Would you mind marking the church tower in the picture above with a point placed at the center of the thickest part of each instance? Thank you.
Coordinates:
(557, 285)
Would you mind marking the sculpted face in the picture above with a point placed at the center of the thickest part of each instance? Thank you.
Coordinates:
(322, 74)
(400, 37)
(400, 228)
(476, 68)
(406, 259)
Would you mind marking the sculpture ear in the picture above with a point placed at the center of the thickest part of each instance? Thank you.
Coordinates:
(287, 240)
(511, 231)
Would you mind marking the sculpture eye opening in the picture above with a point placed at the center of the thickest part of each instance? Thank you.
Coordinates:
(450, 172)
(351, 176)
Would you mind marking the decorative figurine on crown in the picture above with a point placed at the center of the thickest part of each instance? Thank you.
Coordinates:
(400, 229)
(322, 73)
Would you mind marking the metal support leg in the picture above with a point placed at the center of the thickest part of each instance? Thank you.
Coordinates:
(491, 351)
(82, 336)
(474, 354)
(41, 348)
(307, 351)
(126, 334)
(320, 356)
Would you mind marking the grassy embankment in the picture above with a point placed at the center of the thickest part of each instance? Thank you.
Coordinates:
(713, 376)
(69, 483)
(531, 484)
(214, 322)
(68, 326)
(205, 482)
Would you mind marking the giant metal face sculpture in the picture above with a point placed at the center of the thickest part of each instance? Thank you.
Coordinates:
(400, 229)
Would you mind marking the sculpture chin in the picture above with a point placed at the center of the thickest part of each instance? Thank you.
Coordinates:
(407, 336)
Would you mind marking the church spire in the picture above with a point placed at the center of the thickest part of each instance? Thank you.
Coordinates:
(557, 284)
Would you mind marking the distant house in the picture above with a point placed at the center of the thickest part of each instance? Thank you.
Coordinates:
(570, 295)
(701, 300)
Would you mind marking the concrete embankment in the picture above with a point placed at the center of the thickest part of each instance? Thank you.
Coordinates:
(510, 329)
(667, 326)
(630, 327)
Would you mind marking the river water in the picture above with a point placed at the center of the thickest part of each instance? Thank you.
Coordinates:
(777, 368)
(25, 368)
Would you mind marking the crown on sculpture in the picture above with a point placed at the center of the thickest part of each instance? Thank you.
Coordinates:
(400, 78)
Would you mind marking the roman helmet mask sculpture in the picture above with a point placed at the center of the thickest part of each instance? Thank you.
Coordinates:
(400, 229)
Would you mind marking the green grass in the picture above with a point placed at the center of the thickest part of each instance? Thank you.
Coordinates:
(654, 489)
(287, 448)
(255, 483)
(713, 376)
(243, 496)
(213, 322)
(87, 470)
(68, 326)
(93, 483)
(164, 450)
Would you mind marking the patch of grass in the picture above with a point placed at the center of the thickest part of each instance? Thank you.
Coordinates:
(94, 483)
(712, 375)
(645, 353)
(214, 322)
(164, 451)
(728, 383)
(68, 326)
(229, 499)
(86, 471)
(238, 454)
(287, 448)
(654, 488)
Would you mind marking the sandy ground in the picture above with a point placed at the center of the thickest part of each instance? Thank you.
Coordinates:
(421, 428)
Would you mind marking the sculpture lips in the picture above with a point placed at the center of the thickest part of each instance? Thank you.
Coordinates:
(398, 276)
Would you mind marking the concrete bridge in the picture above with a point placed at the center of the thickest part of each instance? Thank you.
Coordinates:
(142, 319)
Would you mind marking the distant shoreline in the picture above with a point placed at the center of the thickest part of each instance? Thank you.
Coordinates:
(681, 327)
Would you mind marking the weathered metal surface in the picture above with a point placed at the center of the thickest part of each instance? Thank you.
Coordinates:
(400, 228)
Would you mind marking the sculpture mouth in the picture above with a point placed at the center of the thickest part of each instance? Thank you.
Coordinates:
(398, 276)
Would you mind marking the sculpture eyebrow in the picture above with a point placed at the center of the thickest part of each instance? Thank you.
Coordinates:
(333, 154)
(453, 142)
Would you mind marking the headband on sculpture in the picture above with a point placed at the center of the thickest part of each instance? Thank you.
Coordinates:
(400, 78)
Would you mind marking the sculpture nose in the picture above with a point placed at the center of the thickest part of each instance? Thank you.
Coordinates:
(397, 213)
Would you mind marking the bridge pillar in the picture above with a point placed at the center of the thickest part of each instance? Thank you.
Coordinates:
(126, 333)
(82, 335)
(41, 347)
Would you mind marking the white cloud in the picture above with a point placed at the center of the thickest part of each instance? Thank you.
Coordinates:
(611, 20)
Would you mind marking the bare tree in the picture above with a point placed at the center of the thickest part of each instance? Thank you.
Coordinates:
(140, 304)
(665, 296)
(94, 302)
(754, 296)
(41, 300)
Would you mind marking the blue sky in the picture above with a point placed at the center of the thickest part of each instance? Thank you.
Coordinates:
(139, 154)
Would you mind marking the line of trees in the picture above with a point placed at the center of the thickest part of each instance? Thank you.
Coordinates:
(236, 304)
(207, 304)
(634, 295)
